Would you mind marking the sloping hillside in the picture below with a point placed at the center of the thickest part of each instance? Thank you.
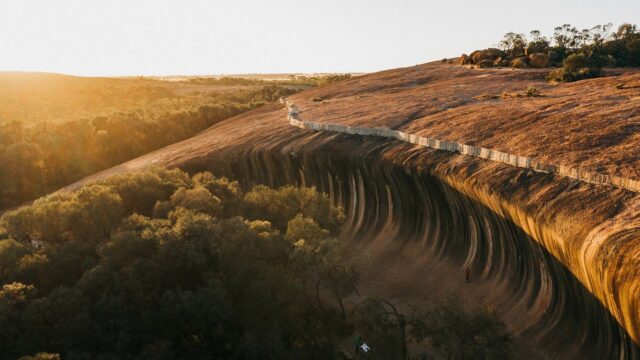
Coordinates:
(593, 124)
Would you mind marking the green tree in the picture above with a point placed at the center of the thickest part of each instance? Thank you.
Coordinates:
(10, 254)
(227, 191)
(278, 206)
(198, 199)
(565, 37)
(513, 43)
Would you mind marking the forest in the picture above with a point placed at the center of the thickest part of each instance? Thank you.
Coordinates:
(56, 129)
(159, 264)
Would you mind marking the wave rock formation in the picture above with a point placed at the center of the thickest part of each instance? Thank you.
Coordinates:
(558, 258)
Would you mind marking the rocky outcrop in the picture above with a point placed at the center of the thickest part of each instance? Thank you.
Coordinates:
(519, 63)
(465, 59)
(518, 51)
(539, 60)
(490, 54)
(485, 64)
(497, 58)
(535, 56)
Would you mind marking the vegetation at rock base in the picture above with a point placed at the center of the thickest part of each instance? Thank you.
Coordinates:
(575, 67)
(158, 264)
(56, 129)
(580, 54)
(449, 330)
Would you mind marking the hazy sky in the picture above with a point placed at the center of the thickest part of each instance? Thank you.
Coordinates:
(128, 37)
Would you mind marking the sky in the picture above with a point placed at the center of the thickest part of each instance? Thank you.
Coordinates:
(197, 37)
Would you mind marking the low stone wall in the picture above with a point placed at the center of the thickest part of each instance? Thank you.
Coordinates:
(493, 155)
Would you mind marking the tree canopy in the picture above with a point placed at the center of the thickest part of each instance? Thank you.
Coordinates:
(158, 264)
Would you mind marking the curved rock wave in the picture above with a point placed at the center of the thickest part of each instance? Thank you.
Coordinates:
(442, 207)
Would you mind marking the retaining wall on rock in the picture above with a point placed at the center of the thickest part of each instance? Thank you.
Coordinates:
(477, 151)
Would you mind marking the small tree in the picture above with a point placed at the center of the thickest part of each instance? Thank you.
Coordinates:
(512, 42)
(625, 31)
(384, 325)
(342, 282)
(599, 34)
(537, 41)
(565, 37)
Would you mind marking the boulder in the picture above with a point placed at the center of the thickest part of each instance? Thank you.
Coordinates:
(487, 54)
(519, 63)
(505, 63)
(539, 60)
(533, 49)
(553, 55)
(485, 63)
(498, 61)
(465, 59)
(516, 52)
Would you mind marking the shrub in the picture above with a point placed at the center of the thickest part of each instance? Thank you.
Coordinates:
(633, 47)
(451, 330)
(576, 67)
(533, 91)
(483, 97)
